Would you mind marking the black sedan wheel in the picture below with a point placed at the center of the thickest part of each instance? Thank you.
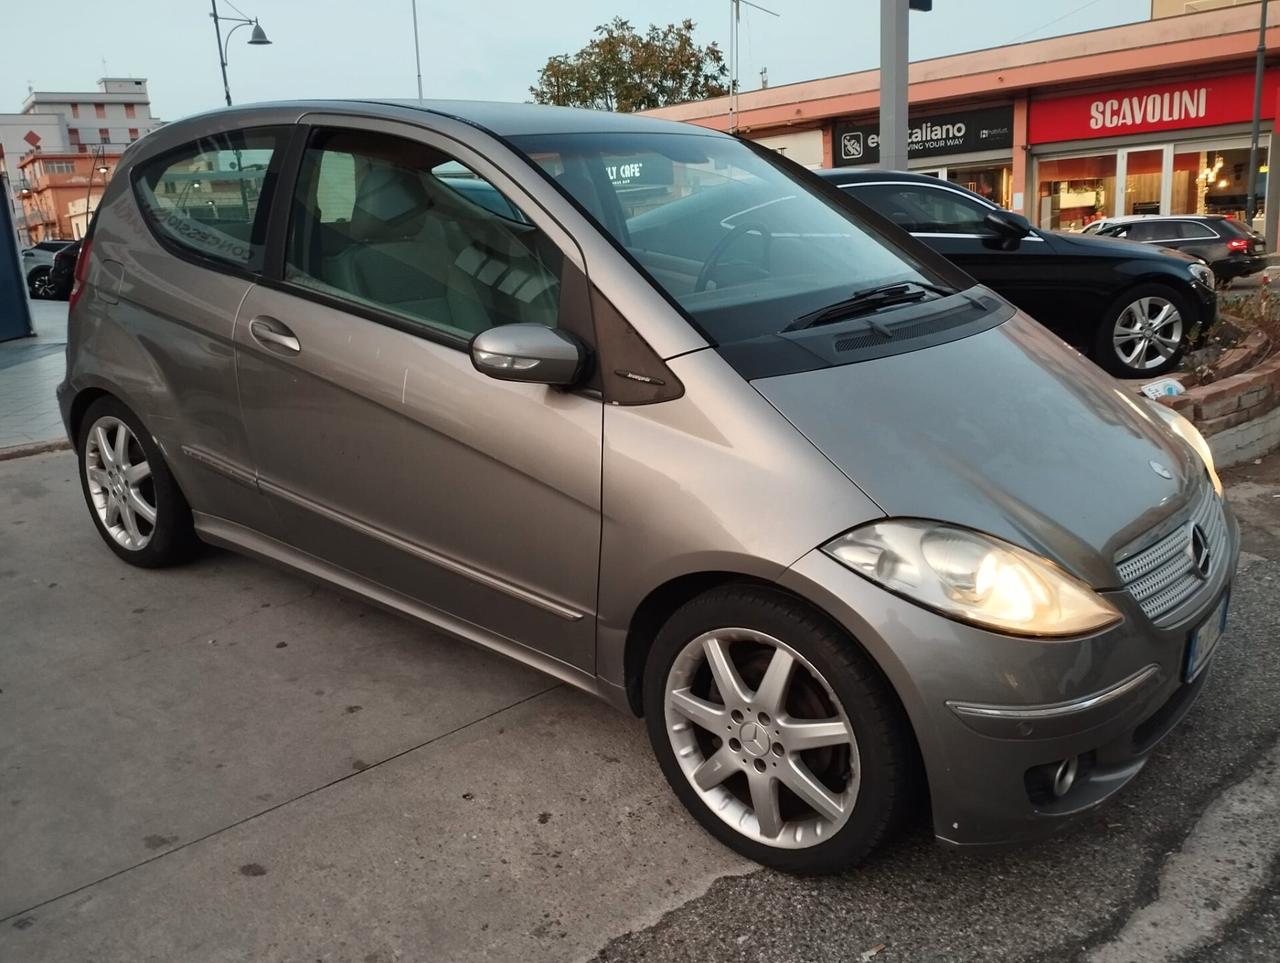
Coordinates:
(40, 284)
(1144, 333)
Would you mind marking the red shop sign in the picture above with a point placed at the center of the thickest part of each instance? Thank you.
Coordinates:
(1175, 106)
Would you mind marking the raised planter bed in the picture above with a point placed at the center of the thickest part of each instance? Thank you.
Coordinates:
(1235, 400)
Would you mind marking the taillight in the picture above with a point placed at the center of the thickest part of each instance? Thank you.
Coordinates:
(1238, 244)
(82, 272)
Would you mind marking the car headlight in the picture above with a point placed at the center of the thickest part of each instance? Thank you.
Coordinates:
(973, 577)
(1189, 433)
(1201, 273)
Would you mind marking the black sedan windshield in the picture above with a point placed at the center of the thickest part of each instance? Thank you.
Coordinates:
(741, 246)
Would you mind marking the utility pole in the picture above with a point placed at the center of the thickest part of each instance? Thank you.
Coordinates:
(1251, 202)
(735, 17)
(417, 57)
(894, 62)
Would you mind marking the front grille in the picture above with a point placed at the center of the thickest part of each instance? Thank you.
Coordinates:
(1163, 576)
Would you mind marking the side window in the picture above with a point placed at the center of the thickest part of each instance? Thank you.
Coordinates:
(1191, 231)
(926, 210)
(401, 227)
(1142, 231)
(212, 197)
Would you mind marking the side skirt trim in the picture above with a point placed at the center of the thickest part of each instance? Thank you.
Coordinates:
(422, 552)
(227, 534)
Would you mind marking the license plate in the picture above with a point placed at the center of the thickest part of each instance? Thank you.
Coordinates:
(1205, 639)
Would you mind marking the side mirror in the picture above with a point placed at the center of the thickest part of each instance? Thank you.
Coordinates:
(1008, 225)
(529, 352)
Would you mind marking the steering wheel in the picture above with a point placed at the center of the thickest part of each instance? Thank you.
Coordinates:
(721, 246)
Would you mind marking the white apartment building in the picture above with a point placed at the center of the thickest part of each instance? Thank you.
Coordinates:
(53, 149)
(115, 115)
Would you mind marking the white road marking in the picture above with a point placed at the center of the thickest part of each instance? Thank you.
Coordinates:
(1207, 882)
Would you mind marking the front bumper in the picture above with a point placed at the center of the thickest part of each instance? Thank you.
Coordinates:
(994, 715)
(1206, 306)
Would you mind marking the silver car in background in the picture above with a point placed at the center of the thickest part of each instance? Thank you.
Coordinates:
(837, 521)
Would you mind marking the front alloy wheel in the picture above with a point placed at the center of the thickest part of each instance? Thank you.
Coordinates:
(775, 730)
(1145, 332)
(776, 758)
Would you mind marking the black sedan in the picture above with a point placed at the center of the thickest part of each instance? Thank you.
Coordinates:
(1232, 249)
(62, 275)
(1130, 306)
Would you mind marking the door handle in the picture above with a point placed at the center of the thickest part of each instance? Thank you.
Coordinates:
(273, 335)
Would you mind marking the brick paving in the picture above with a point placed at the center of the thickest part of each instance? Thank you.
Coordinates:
(30, 369)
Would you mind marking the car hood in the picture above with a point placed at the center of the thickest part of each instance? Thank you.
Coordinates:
(1008, 432)
(1092, 244)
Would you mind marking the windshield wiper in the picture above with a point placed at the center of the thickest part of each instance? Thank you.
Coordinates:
(868, 300)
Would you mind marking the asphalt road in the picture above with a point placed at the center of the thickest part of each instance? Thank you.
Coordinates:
(224, 762)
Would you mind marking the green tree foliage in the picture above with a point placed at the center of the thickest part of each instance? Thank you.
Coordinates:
(620, 69)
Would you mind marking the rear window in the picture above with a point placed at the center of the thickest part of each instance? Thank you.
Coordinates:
(1192, 231)
(1233, 228)
(210, 197)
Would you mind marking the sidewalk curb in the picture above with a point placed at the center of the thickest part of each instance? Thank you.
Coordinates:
(35, 448)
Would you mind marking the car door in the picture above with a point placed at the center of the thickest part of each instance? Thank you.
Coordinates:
(952, 222)
(386, 454)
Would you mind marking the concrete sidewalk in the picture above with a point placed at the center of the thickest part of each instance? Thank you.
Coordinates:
(30, 369)
(223, 761)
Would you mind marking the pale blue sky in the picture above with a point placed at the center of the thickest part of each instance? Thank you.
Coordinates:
(488, 49)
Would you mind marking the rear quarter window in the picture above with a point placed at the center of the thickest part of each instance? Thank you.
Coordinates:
(210, 198)
(1230, 227)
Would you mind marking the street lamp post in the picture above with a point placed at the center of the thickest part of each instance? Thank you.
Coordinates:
(98, 164)
(1251, 201)
(257, 39)
(894, 62)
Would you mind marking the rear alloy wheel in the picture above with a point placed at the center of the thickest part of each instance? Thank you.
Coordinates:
(136, 505)
(1146, 333)
(120, 485)
(779, 737)
(40, 284)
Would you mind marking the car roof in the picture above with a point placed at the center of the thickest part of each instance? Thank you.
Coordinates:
(859, 175)
(1126, 218)
(500, 119)
(512, 120)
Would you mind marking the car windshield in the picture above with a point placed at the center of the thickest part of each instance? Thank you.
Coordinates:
(743, 247)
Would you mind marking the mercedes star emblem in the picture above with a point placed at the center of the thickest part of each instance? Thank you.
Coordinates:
(1198, 550)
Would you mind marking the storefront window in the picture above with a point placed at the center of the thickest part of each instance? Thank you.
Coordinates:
(1211, 181)
(1142, 179)
(1074, 191)
(993, 183)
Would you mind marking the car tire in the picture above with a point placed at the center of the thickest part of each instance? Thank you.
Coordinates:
(743, 756)
(1129, 349)
(132, 497)
(39, 284)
